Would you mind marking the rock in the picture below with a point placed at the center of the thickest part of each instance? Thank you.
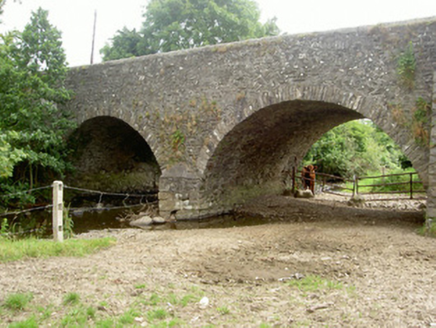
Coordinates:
(303, 194)
(144, 221)
(204, 302)
(159, 220)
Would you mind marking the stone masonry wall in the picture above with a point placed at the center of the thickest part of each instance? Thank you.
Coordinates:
(186, 103)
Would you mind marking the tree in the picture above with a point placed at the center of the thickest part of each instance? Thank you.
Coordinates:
(32, 125)
(181, 24)
(356, 147)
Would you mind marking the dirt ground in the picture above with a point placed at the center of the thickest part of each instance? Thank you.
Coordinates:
(314, 263)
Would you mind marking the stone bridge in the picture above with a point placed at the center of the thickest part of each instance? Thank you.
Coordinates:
(212, 127)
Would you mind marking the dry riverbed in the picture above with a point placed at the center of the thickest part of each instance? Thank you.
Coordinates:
(316, 263)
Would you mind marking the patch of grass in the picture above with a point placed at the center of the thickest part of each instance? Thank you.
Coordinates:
(153, 300)
(264, 325)
(77, 317)
(17, 302)
(90, 312)
(45, 312)
(28, 323)
(312, 283)
(13, 250)
(129, 317)
(105, 323)
(157, 314)
(223, 310)
(71, 298)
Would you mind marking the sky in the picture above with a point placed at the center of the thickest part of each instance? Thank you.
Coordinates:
(75, 18)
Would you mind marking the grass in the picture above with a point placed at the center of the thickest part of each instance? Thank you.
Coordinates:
(17, 302)
(71, 298)
(312, 283)
(13, 250)
(28, 323)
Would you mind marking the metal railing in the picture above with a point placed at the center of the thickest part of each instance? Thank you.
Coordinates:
(337, 185)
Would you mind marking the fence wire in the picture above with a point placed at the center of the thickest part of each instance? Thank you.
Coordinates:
(25, 191)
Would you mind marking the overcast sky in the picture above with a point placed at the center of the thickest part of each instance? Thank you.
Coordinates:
(75, 17)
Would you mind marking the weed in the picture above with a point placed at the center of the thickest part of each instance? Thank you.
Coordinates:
(71, 298)
(17, 301)
(177, 140)
(406, 66)
(223, 310)
(68, 223)
(141, 286)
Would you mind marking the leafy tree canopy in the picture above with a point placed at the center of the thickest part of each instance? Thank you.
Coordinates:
(181, 24)
(32, 126)
(357, 147)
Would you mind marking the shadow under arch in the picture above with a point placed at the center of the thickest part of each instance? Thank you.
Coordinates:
(253, 158)
(109, 155)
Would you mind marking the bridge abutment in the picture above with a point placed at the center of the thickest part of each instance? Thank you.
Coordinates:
(431, 191)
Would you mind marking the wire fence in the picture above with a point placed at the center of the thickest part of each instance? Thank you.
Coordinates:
(142, 199)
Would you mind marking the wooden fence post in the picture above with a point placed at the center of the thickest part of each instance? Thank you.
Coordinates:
(411, 186)
(58, 204)
(354, 185)
(293, 180)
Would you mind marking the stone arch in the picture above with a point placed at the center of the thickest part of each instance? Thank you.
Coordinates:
(285, 122)
(110, 155)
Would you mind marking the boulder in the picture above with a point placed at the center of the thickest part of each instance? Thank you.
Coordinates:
(158, 220)
(144, 221)
(303, 194)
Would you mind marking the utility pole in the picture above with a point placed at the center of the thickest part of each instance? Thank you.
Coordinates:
(93, 37)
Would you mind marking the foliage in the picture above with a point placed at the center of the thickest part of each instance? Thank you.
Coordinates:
(406, 66)
(177, 139)
(33, 125)
(13, 250)
(181, 24)
(354, 148)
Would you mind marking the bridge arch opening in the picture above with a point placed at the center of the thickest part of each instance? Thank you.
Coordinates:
(109, 155)
(253, 158)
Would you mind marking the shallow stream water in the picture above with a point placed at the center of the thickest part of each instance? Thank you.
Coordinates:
(112, 219)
